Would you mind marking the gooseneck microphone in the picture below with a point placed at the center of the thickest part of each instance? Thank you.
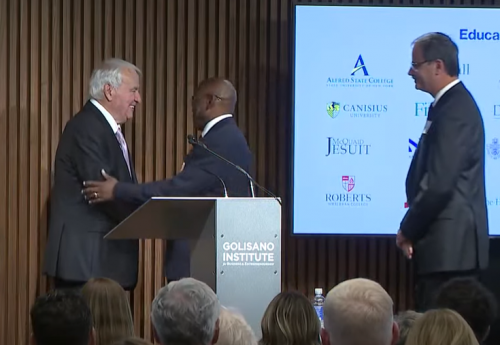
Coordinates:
(193, 141)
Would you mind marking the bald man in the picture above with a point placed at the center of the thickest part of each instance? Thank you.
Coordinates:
(213, 107)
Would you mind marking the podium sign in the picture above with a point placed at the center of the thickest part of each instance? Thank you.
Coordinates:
(235, 245)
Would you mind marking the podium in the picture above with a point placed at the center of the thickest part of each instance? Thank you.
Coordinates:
(235, 245)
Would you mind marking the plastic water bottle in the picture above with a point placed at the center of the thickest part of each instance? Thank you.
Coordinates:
(319, 300)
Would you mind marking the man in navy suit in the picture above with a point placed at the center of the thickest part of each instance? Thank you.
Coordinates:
(213, 105)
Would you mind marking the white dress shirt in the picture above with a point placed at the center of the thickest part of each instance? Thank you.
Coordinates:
(212, 123)
(443, 91)
(107, 115)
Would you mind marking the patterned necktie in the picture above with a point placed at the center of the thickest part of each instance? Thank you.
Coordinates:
(123, 146)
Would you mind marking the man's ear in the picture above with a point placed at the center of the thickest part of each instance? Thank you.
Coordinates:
(215, 339)
(32, 339)
(325, 338)
(395, 333)
(92, 338)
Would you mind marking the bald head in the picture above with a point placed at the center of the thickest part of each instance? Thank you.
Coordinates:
(213, 97)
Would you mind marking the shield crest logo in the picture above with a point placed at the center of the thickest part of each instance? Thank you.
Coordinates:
(348, 183)
(494, 149)
(333, 109)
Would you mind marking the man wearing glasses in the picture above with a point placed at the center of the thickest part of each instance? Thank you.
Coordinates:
(445, 229)
(213, 105)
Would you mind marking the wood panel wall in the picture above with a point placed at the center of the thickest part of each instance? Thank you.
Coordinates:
(48, 49)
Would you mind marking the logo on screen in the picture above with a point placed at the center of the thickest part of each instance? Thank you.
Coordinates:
(360, 65)
(496, 111)
(412, 147)
(422, 108)
(359, 77)
(493, 202)
(333, 109)
(494, 149)
(348, 183)
(359, 111)
(464, 69)
(348, 198)
(346, 146)
(476, 35)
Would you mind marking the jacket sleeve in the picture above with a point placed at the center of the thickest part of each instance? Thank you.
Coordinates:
(89, 158)
(448, 154)
(195, 179)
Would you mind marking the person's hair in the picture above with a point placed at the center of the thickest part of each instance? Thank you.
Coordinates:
(290, 319)
(185, 312)
(132, 341)
(110, 310)
(358, 311)
(438, 46)
(109, 72)
(61, 317)
(234, 329)
(472, 300)
(441, 327)
(405, 321)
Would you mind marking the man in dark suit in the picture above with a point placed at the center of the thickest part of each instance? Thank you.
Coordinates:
(92, 141)
(213, 105)
(446, 224)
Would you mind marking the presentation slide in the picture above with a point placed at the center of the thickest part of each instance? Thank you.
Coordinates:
(358, 117)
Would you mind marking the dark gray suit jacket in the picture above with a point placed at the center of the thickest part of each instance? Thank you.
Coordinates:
(445, 188)
(76, 250)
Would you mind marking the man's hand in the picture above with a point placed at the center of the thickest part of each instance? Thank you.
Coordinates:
(404, 244)
(99, 191)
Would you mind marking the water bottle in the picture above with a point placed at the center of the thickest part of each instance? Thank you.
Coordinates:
(319, 300)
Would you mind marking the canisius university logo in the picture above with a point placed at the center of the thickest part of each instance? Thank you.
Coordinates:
(360, 77)
(356, 110)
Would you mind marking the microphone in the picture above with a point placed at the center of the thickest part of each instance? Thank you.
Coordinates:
(193, 141)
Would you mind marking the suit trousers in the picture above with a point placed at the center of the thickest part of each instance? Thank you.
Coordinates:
(428, 285)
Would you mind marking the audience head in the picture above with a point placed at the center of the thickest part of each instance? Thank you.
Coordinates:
(441, 327)
(290, 319)
(434, 62)
(186, 312)
(234, 330)
(110, 310)
(132, 341)
(115, 85)
(357, 312)
(213, 97)
(473, 301)
(405, 321)
(61, 318)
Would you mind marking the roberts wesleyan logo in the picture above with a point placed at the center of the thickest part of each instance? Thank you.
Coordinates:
(346, 146)
(348, 183)
(478, 35)
(359, 111)
(359, 77)
(333, 109)
(494, 149)
(496, 111)
(348, 198)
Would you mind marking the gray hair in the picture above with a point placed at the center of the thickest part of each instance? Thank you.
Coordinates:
(234, 329)
(185, 312)
(359, 311)
(109, 72)
(438, 46)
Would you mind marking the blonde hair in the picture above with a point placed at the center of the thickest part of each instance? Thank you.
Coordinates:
(441, 327)
(357, 310)
(110, 310)
(234, 329)
(290, 319)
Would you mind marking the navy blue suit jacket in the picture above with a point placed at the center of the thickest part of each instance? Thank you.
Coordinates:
(198, 179)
